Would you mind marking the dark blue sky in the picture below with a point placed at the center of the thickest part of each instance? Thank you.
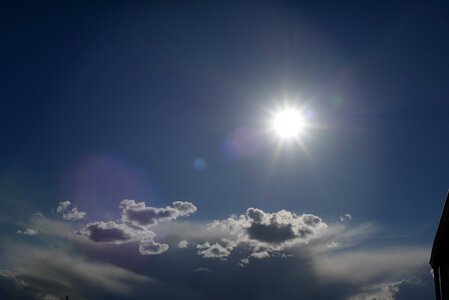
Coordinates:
(107, 101)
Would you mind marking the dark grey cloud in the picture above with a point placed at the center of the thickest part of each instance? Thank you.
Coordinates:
(12, 287)
(108, 232)
(271, 233)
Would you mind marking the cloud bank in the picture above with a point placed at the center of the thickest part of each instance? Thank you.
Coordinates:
(254, 255)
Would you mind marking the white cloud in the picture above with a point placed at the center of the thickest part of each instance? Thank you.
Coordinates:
(74, 215)
(28, 231)
(332, 245)
(383, 291)
(62, 206)
(243, 262)
(150, 247)
(216, 250)
(202, 270)
(260, 255)
(38, 214)
(400, 262)
(346, 217)
(183, 244)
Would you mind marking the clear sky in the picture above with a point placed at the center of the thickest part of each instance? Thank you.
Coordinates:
(138, 159)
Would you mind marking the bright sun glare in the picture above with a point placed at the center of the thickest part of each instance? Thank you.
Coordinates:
(288, 123)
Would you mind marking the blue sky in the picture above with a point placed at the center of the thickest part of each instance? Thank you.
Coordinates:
(168, 106)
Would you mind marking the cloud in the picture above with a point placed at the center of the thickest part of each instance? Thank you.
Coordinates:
(38, 214)
(260, 255)
(393, 262)
(202, 270)
(134, 225)
(383, 291)
(28, 231)
(183, 244)
(111, 232)
(150, 247)
(262, 231)
(324, 260)
(346, 217)
(321, 260)
(137, 213)
(51, 227)
(53, 272)
(12, 287)
(62, 206)
(216, 250)
(243, 262)
(72, 215)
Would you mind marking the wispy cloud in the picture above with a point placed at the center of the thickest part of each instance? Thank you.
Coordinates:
(27, 231)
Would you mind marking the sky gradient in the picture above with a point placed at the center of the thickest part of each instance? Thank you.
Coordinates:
(137, 158)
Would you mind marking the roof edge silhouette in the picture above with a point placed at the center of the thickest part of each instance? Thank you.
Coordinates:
(441, 237)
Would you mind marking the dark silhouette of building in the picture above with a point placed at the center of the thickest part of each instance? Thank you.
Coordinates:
(439, 259)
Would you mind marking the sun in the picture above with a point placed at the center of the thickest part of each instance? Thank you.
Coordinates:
(288, 123)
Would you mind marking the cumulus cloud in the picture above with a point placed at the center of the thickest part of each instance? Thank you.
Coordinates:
(137, 213)
(150, 247)
(328, 252)
(28, 231)
(72, 215)
(134, 225)
(263, 232)
(62, 206)
(260, 255)
(243, 262)
(346, 217)
(183, 244)
(216, 250)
